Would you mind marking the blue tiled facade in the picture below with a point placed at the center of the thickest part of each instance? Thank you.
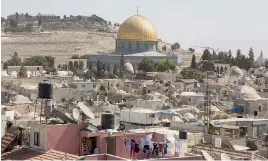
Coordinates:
(131, 47)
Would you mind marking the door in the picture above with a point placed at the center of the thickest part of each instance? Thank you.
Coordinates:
(111, 145)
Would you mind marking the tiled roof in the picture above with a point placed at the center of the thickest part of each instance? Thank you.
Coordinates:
(30, 154)
(20, 154)
(189, 81)
(213, 82)
(8, 138)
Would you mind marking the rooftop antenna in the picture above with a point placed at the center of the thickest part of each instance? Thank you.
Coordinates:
(137, 10)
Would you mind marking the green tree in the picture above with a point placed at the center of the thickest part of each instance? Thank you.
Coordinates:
(122, 66)
(115, 70)
(193, 63)
(29, 27)
(229, 57)
(14, 61)
(45, 61)
(250, 58)
(146, 65)
(190, 73)
(206, 55)
(27, 15)
(39, 22)
(164, 65)
(191, 50)
(79, 18)
(221, 70)
(89, 74)
(104, 66)
(175, 46)
(23, 72)
(218, 69)
(52, 71)
(13, 23)
(207, 66)
(17, 16)
(108, 67)
(99, 68)
(238, 57)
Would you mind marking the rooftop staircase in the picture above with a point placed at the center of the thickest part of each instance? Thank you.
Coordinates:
(9, 139)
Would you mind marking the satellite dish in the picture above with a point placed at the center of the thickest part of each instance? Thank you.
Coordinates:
(86, 111)
(76, 114)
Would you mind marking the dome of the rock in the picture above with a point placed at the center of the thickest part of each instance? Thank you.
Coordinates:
(137, 28)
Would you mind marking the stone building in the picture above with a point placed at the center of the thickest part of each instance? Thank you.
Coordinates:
(136, 39)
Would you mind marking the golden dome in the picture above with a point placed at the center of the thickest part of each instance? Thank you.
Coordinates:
(137, 28)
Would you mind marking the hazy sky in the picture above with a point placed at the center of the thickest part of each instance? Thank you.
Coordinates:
(225, 24)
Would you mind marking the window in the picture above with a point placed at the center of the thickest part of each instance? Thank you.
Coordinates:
(149, 91)
(112, 85)
(142, 46)
(139, 85)
(36, 139)
(133, 46)
(94, 86)
(127, 85)
(83, 86)
(190, 99)
(117, 85)
(259, 108)
(151, 115)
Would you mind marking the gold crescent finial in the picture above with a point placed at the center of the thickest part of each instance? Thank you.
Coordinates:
(137, 10)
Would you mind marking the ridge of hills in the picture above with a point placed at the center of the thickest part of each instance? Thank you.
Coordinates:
(64, 44)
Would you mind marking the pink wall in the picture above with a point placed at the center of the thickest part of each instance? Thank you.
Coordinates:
(100, 139)
(102, 157)
(184, 99)
(64, 137)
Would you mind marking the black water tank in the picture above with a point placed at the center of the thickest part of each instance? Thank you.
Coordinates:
(107, 121)
(9, 124)
(183, 134)
(239, 116)
(45, 90)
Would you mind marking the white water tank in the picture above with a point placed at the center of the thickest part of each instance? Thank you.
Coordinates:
(218, 142)
(48, 107)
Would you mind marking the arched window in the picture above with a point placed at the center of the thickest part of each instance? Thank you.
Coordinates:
(75, 65)
(70, 65)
